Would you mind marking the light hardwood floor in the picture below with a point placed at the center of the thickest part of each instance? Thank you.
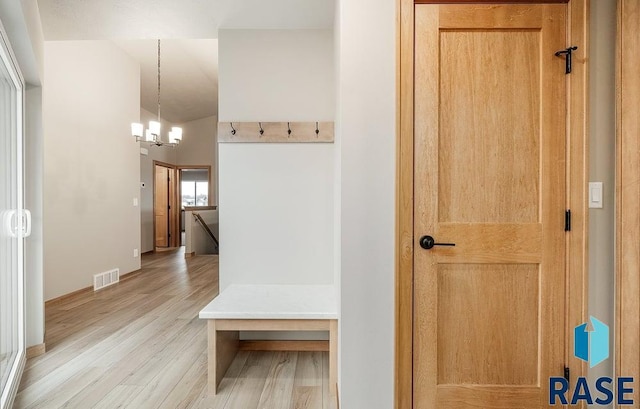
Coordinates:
(140, 344)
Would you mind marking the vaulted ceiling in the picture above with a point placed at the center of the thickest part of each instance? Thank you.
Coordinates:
(189, 30)
(189, 77)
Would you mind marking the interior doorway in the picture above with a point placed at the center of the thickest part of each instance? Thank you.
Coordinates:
(165, 206)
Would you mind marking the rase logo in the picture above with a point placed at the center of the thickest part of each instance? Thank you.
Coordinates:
(591, 346)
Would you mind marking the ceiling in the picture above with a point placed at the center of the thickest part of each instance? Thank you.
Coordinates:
(189, 29)
(139, 19)
(189, 77)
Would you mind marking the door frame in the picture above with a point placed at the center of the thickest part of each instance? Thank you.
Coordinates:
(577, 177)
(173, 200)
(7, 395)
(627, 250)
(179, 182)
(182, 167)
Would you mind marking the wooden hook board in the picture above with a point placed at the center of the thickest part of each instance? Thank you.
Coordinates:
(276, 132)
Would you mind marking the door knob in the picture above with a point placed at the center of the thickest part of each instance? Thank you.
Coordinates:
(427, 243)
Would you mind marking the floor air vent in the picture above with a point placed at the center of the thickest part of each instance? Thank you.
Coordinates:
(105, 279)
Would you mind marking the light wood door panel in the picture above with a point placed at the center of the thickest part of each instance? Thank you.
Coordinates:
(161, 206)
(489, 175)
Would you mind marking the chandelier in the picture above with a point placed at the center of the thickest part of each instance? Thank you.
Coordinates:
(152, 133)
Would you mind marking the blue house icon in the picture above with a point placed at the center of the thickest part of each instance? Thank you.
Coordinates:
(591, 346)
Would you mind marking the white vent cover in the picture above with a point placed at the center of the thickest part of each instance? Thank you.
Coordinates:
(106, 279)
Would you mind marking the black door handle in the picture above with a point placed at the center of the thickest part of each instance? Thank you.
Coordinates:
(427, 243)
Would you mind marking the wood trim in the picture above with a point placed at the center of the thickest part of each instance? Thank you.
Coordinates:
(627, 253)
(491, 2)
(129, 275)
(174, 216)
(404, 209)
(36, 350)
(199, 208)
(189, 255)
(179, 197)
(272, 325)
(208, 167)
(64, 297)
(577, 263)
(301, 132)
(256, 345)
(174, 213)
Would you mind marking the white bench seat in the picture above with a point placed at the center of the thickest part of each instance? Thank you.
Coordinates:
(268, 308)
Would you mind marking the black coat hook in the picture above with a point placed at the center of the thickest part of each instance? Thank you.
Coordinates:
(233, 130)
(261, 130)
(288, 129)
(567, 52)
(317, 130)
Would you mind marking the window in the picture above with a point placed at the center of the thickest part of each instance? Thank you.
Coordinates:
(194, 187)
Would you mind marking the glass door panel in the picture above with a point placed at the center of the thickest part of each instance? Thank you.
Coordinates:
(12, 223)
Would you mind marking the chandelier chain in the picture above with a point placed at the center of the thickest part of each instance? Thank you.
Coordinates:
(158, 80)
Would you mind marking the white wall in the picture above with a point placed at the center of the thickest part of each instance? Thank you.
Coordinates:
(197, 240)
(199, 146)
(34, 282)
(276, 75)
(602, 169)
(276, 200)
(276, 214)
(91, 163)
(159, 153)
(366, 126)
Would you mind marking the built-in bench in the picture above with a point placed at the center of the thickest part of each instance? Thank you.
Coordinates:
(269, 308)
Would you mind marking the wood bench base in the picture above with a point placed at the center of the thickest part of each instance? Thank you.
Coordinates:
(224, 343)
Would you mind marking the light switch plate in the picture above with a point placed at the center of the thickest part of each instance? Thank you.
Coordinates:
(135, 201)
(596, 195)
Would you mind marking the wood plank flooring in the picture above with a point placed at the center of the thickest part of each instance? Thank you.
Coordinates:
(140, 344)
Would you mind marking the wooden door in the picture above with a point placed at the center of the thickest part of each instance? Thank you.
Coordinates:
(161, 206)
(489, 175)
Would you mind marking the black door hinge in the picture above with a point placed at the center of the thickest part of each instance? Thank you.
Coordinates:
(567, 220)
(567, 373)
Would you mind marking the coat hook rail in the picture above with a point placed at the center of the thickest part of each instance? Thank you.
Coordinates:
(289, 132)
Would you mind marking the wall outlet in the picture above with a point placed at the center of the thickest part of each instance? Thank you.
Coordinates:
(136, 253)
